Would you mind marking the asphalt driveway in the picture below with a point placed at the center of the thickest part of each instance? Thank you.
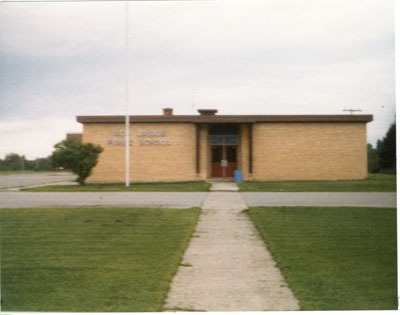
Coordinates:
(17, 180)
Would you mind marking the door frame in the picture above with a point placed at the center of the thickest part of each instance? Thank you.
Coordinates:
(213, 147)
(224, 157)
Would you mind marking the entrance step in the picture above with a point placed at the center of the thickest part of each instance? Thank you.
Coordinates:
(220, 179)
(224, 186)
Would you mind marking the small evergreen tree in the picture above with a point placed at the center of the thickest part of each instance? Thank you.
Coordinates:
(78, 157)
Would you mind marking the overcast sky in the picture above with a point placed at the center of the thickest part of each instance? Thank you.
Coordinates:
(60, 60)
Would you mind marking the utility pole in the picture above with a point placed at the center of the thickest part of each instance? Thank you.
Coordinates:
(352, 110)
(127, 121)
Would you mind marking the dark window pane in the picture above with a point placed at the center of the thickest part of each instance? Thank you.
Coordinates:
(217, 140)
(231, 154)
(221, 139)
(223, 129)
(217, 154)
(231, 139)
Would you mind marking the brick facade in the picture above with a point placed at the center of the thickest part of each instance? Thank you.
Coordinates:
(309, 151)
(280, 151)
(149, 162)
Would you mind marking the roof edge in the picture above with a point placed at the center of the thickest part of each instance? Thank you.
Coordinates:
(224, 118)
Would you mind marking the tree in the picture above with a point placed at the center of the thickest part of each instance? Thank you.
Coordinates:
(13, 162)
(80, 158)
(387, 150)
(373, 159)
(43, 164)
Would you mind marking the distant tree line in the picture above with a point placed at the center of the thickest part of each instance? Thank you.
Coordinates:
(15, 162)
(69, 154)
(382, 159)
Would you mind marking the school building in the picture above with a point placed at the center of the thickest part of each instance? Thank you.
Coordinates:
(172, 147)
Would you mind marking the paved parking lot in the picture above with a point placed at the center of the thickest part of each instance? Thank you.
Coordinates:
(17, 180)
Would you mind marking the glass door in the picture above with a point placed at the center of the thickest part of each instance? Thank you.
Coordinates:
(223, 155)
(216, 161)
(231, 160)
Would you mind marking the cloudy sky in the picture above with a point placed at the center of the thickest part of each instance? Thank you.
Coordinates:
(60, 60)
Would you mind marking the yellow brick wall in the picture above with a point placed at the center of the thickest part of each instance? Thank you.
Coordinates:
(244, 152)
(175, 161)
(281, 151)
(204, 153)
(309, 151)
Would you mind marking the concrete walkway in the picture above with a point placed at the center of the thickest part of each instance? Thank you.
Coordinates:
(16, 199)
(321, 199)
(23, 199)
(224, 186)
(227, 266)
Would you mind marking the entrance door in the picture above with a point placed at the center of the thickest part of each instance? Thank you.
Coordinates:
(216, 165)
(231, 159)
(223, 161)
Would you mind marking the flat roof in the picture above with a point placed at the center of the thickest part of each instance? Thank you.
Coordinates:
(224, 118)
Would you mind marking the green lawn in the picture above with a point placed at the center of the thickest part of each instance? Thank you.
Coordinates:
(334, 258)
(374, 182)
(91, 259)
(160, 186)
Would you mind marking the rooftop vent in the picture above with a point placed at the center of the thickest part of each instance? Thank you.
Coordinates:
(168, 111)
(207, 112)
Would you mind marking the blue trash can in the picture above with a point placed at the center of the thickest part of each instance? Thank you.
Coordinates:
(238, 176)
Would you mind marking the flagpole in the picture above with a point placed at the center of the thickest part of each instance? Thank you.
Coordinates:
(127, 122)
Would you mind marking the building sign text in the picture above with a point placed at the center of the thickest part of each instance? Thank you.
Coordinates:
(141, 133)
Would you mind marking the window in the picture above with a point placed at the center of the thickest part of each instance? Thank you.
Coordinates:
(225, 139)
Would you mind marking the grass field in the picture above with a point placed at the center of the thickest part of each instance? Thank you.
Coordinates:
(161, 186)
(374, 182)
(334, 258)
(91, 259)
